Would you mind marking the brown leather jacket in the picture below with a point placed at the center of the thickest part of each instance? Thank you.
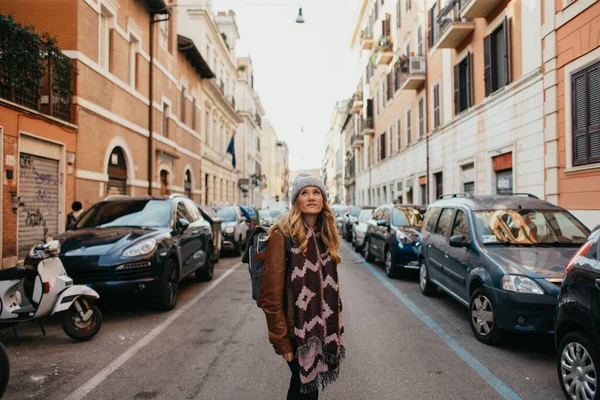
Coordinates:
(276, 297)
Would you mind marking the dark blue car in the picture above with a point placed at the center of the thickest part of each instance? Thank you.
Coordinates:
(503, 257)
(394, 236)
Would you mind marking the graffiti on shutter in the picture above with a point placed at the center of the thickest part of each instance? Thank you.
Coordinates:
(38, 189)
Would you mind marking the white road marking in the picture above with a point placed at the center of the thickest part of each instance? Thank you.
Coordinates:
(123, 358)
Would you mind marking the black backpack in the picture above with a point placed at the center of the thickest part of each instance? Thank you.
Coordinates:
(254, 256)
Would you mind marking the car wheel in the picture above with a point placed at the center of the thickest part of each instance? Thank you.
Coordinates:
(206, 271)
(576, 364)
(167, 298)
(367, 251)
(481, 317)
(427, 287)
(390, 268)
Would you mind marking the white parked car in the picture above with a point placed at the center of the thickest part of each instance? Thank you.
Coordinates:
(359, 229)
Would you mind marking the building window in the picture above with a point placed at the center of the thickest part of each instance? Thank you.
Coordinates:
(133, 53)
(436, 105)
(421, 117)
(182, 106)
(502, 165)
(397, 79)
(377, 101)
(391, 139)
(467, 173)
(399, 133)
(420, 40)
(194, 111)
(462, 85)
(165, 120)
(164, 38)
(390, 87)
(383, 94)
(207, 127)
(433, 26)
(408, 128)
(407, 3)
(586, 115)
(496, 56)
(423, 193)
(104, 45)
(398, 15)
(187, 183)
(439, 184)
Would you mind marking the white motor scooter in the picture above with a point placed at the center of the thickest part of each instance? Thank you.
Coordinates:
(49, 290)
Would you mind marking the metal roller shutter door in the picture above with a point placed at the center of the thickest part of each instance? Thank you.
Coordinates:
(38, 189)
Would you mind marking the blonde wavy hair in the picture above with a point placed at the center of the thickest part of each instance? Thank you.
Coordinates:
(292, 225)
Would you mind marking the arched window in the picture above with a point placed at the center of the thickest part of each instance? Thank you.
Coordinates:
(187, 183)
(117, 173)
(164, 182)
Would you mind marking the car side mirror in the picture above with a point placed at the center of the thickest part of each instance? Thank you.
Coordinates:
(183, 224)
(382, 222)
(459, 241)
(243, 219)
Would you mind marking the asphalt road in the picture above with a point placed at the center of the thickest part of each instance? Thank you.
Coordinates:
(400, 345)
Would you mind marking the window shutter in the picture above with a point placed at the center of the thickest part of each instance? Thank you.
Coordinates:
(579, 119)
(593, 100)
(507, 60)
(430, 27)
(456, 89)
(469, 84)
(487, 64)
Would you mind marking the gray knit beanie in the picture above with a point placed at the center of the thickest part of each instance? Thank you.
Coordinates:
(305, 180)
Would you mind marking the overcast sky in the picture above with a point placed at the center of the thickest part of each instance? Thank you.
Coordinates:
(301, 70)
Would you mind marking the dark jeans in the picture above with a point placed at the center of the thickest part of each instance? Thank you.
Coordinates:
(294, 391)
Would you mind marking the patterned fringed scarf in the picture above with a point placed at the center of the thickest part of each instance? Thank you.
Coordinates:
(318, 324)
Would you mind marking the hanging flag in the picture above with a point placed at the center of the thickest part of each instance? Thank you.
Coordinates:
(231, 150)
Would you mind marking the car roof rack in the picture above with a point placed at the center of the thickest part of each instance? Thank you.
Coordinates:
(454, 195)
(533, 196)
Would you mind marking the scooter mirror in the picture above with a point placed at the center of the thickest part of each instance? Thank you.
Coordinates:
(52, 246)
(49, 239)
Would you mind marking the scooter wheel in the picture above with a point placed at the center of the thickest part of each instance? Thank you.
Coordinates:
(4, 370)
(78, 329)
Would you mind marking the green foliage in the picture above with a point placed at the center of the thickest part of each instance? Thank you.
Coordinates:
(24, 57)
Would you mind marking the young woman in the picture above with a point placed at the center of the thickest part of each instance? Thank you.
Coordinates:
(301, 297)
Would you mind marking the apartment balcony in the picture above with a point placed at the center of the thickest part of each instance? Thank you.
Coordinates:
(450, 29)
(357, 141)
(412, 72)
(357, 103)
(477, 8)
(367, 127)
(384, 54)
(366, 39)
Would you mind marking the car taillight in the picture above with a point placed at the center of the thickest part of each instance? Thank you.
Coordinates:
(46, 287)
(582, 250)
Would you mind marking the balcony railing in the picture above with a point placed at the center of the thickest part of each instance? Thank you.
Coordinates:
(384, 53)
(367, 126)
(357, 103)
(366, 38)
(258, 120)
(357, 141)
(450, 30)
(412, 72)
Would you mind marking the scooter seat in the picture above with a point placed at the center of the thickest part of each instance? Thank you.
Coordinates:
(14, 273)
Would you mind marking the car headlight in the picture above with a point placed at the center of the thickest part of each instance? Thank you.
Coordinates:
(403, 237)
(521, 284)
(231, 229)
(140, 249)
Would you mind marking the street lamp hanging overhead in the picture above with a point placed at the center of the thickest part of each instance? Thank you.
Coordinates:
(300, 18)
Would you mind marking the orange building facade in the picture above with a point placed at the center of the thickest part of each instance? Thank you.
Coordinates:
(572, 106)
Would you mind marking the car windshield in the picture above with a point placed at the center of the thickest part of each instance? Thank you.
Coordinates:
(365, 215)
(407, 217)
(265, 213)
(355, 211)
(145, 213)
(339, 211)
(227, 214)
(529, 227)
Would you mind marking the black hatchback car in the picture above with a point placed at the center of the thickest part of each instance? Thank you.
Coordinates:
(501, 256)
(577, 323)
(144, 245)
(394, 236)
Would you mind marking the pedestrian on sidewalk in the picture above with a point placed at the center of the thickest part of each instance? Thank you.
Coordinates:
(73, 216)
(300, 296)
